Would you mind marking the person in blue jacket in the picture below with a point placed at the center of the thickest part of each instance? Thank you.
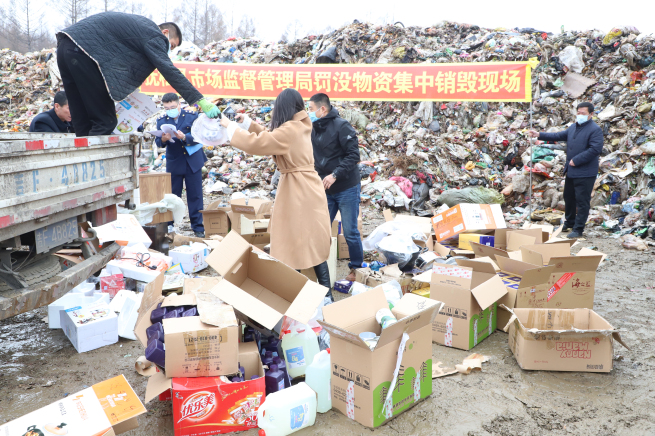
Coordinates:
(184, 158)
(584, 143)
(56, 120)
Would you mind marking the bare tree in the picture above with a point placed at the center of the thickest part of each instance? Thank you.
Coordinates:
(72, 10)
(201, 21)
(246, 28)
(212, 25)
(293, 31)
(26, 31)
(138, 8)
(188, 16)
(112, 5)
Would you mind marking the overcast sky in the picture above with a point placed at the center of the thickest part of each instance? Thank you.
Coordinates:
(272, 16)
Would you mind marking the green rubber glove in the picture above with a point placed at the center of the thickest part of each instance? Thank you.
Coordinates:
(208, 108)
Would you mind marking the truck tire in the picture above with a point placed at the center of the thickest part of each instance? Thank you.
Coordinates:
(37, 272)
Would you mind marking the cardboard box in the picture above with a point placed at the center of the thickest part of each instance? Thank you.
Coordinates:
(562, 340)
(90, 327)
(343, 251)
(425, 224)
(251, 208)
(125, 231)
(215, 219)
(259, 240)
(251, 226)
(190, 257)
(207, 405)
(261, 288)
(385, 274)
(193, 348)
(72, 299)
(465, 240)
(107, 408)
(467, 218)
(337, 226)
(420, 284)
(365, 376)
(471, 297)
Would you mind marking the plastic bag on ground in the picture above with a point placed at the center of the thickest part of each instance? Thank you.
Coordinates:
(571, 56)
(408, 228)
(479, 195)
(208, 131)
(398, 248)
(404, 184)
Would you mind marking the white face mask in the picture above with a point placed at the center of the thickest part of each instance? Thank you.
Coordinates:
(581, 119)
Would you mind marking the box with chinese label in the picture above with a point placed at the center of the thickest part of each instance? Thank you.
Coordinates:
(562, 340)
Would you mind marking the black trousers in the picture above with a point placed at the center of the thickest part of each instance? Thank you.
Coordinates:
(92, 109)
(577, 198)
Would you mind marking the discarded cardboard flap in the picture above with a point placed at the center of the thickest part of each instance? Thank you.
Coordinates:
(145, 367)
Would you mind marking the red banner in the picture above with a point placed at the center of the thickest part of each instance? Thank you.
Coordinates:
(483, 81)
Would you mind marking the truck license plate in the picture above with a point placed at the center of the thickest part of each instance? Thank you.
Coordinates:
(56, 234)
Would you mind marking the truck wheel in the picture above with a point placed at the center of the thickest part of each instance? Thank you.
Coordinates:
(37, 272)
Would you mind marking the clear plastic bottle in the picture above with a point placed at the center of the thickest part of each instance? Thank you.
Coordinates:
(318, 378)
(287, 411)
(299, 346)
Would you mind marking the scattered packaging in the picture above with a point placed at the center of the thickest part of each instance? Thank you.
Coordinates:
(128, 315)
(470, 295)
(209, 405)
(215, 219)
(90, 327)
(465, 240)
(125, 231)
(562, 340)
(466, 218)
(373, 385)
(288, 410)
(111, 283)
(386, 274)
(190, 257)
(252, 209)
(72, 299)
(108, 408)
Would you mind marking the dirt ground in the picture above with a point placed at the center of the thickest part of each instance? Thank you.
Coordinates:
(39, 366)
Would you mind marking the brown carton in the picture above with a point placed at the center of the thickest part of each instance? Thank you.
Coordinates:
(193, 348)
(250, 208)
(215, 219)
(385, 274)
(373, 385)
(337, 227)
(261, 288)
(470, 294)
(561, 340)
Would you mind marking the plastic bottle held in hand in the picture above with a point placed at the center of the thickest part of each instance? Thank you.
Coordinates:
(287, 411)
(385, 318)
(318, 378)
(299, 346)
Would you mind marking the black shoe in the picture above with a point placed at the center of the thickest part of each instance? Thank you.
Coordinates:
(199, 234)
(574, 235)
(566, 228)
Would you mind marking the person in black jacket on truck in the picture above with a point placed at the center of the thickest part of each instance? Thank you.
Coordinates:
(336, 155)
(105, 57)
(584, 143)
(56, 120)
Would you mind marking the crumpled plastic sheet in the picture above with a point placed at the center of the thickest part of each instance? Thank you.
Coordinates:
(145, 212)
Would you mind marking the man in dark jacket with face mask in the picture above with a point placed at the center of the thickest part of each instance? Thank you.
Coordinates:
(584, 143)
(336, 155)
(105, 57)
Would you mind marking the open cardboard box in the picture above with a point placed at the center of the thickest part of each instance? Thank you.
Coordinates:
(471, 295)
(222, 407)
(215, 219)
(385, 274)
(363, 376)
(250, 208)
(193, 348)
(562, 340)
(107, 408)
(261, 288)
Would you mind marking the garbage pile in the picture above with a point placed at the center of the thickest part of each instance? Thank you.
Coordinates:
(414, 154)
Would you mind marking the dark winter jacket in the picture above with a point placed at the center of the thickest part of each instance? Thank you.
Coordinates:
(127, 48)
(49, 122)
(584, 144)
(177, 155)
(336, 151)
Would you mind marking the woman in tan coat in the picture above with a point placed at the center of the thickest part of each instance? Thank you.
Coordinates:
(300, 224)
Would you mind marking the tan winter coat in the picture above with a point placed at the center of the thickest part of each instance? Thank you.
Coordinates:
(300, 223)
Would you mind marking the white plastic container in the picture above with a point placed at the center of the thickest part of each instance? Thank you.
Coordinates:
(72, 300)
(86, 288)
(299, 346)
(318, 378)
(287, 411)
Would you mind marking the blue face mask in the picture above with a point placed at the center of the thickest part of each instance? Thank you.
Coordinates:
(173, 113)
(312, 116)
(581, 119)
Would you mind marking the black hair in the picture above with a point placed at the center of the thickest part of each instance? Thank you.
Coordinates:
(321, 100)
(288, 103)
(169, 97)
(589, 106)
(173, 31)
(61, 99)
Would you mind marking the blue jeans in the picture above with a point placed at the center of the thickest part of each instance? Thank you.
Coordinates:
(347, 203)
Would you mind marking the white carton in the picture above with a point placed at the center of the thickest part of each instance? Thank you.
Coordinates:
(190, 257)
(90, 327)
(128, 315)
(72, 299)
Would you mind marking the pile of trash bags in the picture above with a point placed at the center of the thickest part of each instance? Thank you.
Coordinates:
(416, 155)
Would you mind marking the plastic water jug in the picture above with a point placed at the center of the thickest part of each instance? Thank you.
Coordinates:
(299, 346)
(287, 411)
(318, 378)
